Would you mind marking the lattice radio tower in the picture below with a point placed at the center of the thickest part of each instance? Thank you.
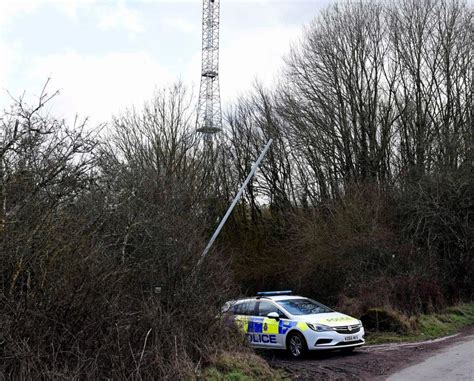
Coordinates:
(209, 116)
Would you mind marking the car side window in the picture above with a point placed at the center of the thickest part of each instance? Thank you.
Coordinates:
(264, 308)
(244, 308)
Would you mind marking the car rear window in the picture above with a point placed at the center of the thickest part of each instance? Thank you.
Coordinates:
(244, 308)
(303, 306)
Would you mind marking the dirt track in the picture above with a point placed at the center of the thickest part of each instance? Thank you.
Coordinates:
(367, 363)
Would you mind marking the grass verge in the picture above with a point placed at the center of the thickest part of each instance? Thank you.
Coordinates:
(430, 326)
(228, 366)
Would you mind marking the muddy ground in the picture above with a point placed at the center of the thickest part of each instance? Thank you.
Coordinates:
(374, 362)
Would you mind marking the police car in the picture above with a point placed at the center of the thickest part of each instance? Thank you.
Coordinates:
(280, 320)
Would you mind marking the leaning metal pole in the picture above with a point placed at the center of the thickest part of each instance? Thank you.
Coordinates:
(236, 199)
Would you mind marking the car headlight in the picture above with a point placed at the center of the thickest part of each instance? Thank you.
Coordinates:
(319, 327)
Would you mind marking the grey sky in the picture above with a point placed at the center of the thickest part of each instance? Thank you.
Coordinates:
(105, 56)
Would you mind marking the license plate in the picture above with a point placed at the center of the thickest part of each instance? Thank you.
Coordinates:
(351, 338)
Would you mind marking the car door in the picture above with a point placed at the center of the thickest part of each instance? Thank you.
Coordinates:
(271, 333)
(245, 318)
(255, 326)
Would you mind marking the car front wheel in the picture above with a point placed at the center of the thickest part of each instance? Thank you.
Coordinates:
(296, 345)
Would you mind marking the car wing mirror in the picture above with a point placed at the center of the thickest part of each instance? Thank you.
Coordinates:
(273, 315)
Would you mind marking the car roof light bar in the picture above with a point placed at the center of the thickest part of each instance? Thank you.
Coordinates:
(274, 293)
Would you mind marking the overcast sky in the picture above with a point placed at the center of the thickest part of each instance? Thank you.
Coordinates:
(107, 55)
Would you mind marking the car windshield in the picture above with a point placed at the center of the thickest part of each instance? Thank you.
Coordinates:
(303, 306)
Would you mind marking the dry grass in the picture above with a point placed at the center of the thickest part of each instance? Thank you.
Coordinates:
(429, 326)
(242, 366)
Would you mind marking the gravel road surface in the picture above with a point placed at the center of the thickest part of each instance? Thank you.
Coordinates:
(453, 355)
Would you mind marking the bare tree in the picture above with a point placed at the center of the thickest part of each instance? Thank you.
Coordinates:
(45, 165)
(336, 98)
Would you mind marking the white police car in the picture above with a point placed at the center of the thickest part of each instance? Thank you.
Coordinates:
(279, 320)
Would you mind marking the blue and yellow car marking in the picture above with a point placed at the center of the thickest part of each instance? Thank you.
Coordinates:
(261, 330)
(255, 325)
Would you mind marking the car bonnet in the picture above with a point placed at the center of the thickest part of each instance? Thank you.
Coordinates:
(331, 319)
